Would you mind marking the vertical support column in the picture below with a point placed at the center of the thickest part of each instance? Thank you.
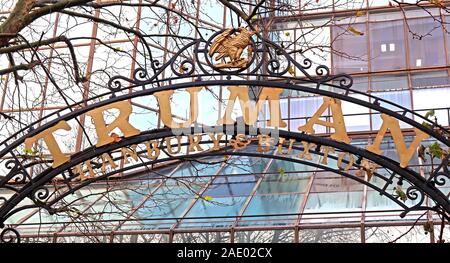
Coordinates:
(363, 214)
(447, 62)
(44, 90)
(166, 40)
(408, 61)
(369, 63)
(133, 60)
(88, 73)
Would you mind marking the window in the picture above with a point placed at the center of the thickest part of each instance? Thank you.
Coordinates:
(436, 99)
(389, 82)
(349, 50)
(426, 43)
(387, 45)
(430, 80)
(401, 98)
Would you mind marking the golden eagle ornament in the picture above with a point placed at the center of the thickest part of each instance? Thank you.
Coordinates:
(232, 43)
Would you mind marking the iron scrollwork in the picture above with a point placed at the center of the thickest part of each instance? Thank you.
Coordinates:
(230, 52)
(441, 174)
(16, 173)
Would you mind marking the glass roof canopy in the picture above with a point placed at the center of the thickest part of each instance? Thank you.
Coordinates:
(210, 195)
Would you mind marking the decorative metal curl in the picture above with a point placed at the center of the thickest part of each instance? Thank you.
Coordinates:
(140, 75)
(440, 175)
(413, 193)
(306, 63)
(9, 235)
(323, 71)
(186, 68)
(20, 178)
(345, 82)
(156, 65)
(441, 178)
(40, 194)
(274, 65)
(114, 85)
(11, 164)
(16, 173)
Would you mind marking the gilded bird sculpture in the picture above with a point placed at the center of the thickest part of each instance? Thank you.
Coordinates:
(231, 45)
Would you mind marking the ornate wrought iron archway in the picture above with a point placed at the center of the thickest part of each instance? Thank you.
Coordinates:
(267, 65)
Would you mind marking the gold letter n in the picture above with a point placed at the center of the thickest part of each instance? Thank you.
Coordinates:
(404, 153)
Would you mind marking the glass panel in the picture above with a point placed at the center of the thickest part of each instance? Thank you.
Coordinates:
(337, 235)
(83, 239)
(226, 206)
(389, 82)
(337, 184)
(350, 49)
(198, 169)
(430, 79)
(207, 237)
(387, 45)
(375, 201)
(401, 98)
(267, 236)
(272, 205)
(388, 234)
(327, 207)
(162, 208)
(169, 201)
(435, 99)
(142, 238)
(157, 173)
(286, 183)
(283, 180)
(346, 5)
(360, 84)
(231, 186)
(244, 164)
(376, 16)
(305, 108)
(332, 202)
(217, 207)
(426, 43)
(382, 208)
(359, 119)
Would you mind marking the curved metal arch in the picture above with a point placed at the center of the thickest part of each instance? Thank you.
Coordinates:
(36, 191)
(30, 131)
(141, 79)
